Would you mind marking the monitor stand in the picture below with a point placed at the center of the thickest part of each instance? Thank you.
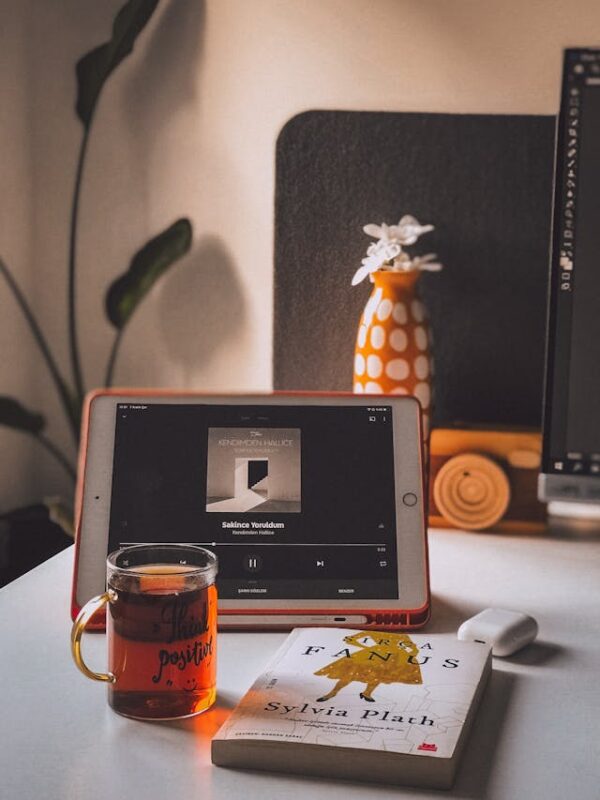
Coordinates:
(574, 520)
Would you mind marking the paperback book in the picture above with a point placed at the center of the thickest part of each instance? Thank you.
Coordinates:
(359, 705)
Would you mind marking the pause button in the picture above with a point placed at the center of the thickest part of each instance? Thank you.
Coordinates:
(252, 563)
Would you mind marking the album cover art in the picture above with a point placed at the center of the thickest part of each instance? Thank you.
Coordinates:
(254, 469)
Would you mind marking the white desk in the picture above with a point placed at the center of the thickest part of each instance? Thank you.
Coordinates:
(537, 734)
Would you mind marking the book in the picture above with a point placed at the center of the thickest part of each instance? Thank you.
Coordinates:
(359, 705)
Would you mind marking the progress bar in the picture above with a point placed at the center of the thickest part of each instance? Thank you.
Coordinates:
(259, 544)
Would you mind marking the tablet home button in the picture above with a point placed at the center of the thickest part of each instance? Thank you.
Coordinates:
(410, 499)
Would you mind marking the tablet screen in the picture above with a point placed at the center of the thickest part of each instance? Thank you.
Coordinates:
(298, 502)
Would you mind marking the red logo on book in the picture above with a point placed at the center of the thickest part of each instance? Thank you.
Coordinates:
(429, 746)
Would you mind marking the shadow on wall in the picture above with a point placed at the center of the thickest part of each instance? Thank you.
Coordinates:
(165, 77)
(201, 306)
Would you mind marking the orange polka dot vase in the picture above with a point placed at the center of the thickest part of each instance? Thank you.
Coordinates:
(393, 352)
(393, 344)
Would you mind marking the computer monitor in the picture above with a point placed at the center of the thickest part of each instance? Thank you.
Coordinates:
(571, 429)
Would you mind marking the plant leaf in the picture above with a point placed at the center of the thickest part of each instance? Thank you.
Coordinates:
(147, 266)
(94, 68)
(14, 415)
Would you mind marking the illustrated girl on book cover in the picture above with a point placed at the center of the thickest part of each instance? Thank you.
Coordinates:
(391, 658)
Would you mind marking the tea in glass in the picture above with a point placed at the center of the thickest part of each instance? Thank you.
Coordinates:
(161, 629)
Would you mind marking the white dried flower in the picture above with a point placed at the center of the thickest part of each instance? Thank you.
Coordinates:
(387, 253)
(426, 263)
(407, 231)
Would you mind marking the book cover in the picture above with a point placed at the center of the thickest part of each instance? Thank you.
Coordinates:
(365, 705)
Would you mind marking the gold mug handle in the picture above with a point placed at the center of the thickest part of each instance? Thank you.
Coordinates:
(79, 626)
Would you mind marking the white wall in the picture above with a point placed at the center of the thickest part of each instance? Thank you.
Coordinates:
(188, 127)
(17, 371)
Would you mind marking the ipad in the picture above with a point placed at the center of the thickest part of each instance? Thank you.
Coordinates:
(314, 504)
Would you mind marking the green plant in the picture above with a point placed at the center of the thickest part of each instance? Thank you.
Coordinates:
(126, 293)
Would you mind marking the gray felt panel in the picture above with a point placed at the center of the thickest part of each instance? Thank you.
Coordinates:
(485, 182)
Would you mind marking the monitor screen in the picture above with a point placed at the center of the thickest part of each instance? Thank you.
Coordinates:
(572, 421)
